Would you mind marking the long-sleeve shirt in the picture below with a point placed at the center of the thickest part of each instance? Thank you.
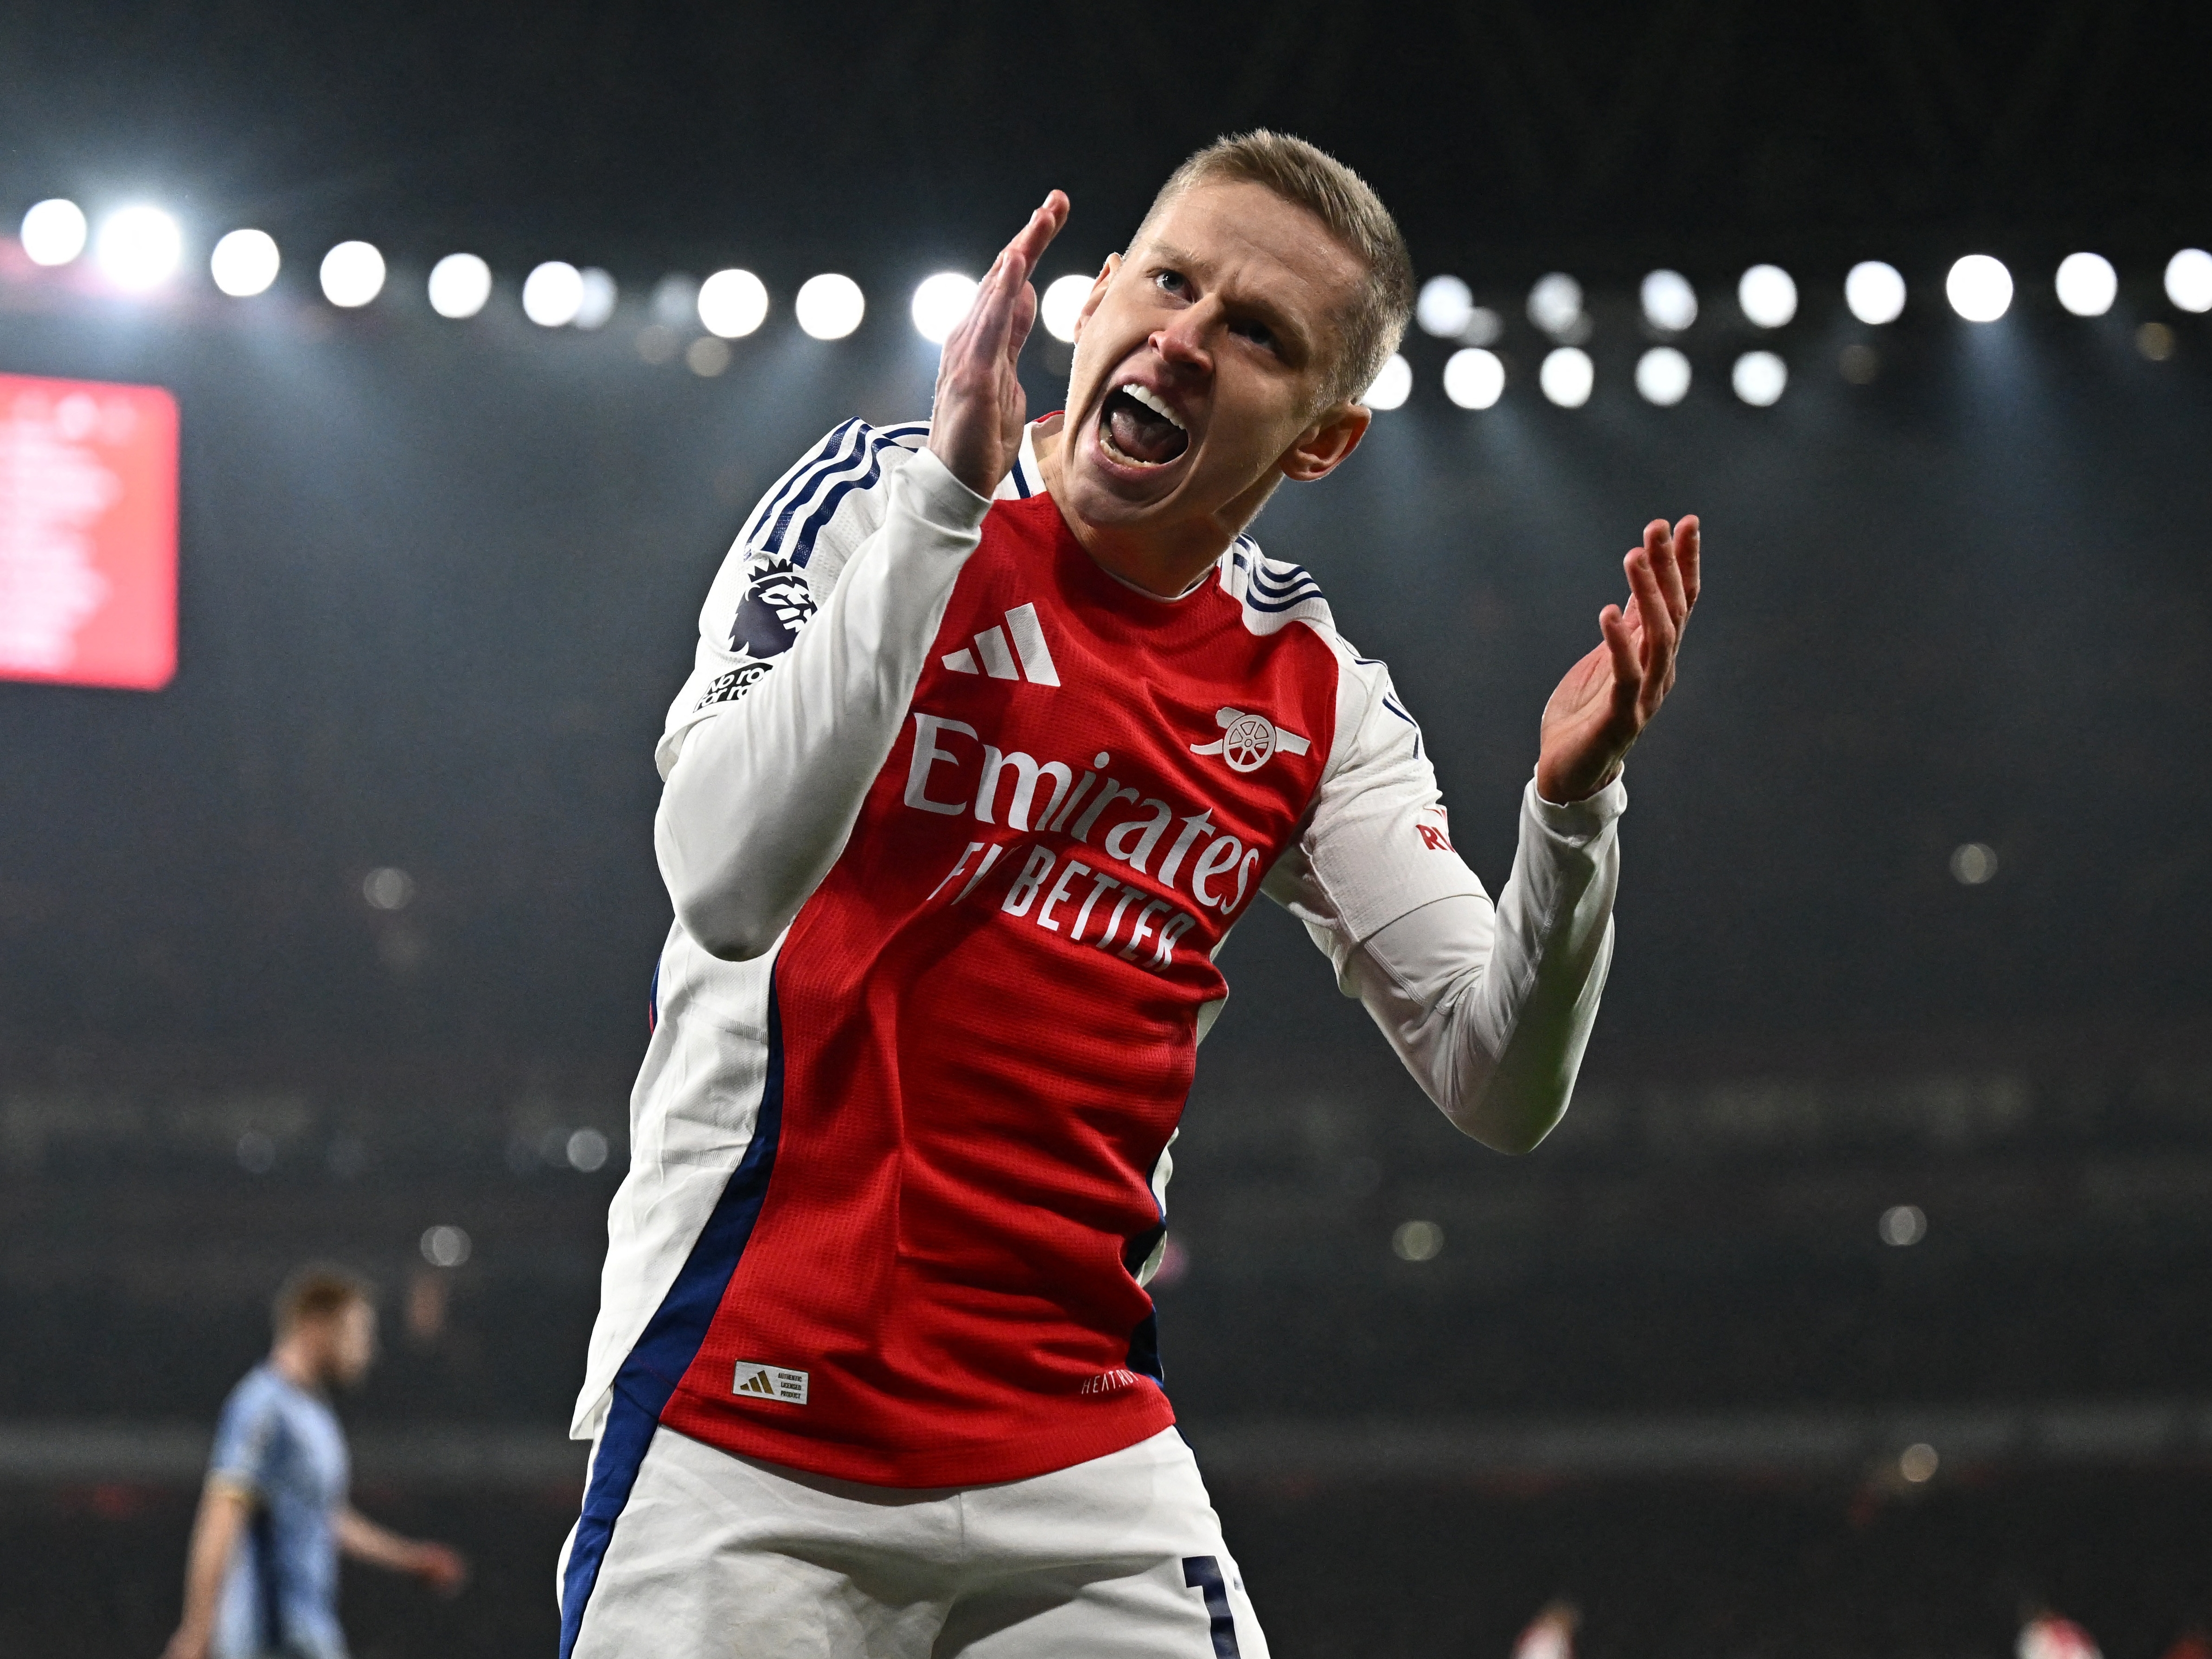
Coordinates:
(955, 824)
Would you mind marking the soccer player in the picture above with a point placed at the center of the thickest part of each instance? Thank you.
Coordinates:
(995, 729)
(261, 1580)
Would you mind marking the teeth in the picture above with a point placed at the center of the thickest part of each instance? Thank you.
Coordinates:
(1153, 401)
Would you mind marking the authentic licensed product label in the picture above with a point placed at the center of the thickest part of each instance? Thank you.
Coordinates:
(769, 1383)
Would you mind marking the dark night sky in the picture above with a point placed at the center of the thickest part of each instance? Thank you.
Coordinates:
(439, 581)
(1509, 135)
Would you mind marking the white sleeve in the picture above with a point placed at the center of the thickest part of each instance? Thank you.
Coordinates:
(1489, 1008)
(784, 565)
(760, 798)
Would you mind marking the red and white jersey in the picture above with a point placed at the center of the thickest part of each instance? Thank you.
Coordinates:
(896, 1180)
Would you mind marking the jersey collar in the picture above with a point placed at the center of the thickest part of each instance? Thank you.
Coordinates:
(1027, 479)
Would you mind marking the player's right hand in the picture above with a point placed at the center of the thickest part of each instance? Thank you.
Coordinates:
(975, 425)
(440, 1567)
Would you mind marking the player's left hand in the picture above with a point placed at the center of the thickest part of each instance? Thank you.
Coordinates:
(1601, 708)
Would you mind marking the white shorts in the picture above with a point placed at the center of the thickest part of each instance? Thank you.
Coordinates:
(717, 1556)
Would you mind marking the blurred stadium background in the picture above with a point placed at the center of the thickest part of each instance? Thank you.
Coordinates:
(1861, 1305)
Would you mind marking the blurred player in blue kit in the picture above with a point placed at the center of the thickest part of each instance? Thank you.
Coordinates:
(261, 1580)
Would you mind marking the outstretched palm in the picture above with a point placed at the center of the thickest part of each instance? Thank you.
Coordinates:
(1607, 698)
(975, 426)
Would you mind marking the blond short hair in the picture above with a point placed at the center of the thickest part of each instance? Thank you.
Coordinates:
(1304, 174)
(318, 1290)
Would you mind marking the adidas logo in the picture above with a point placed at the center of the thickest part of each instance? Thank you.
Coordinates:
(769, 1383)
(997, 661)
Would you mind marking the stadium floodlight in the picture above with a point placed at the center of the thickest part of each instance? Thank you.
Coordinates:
(1979, 288)
(2087, 284)
(245, 262)
(733, 304)
(1062, 304)
(2189, 280)
(1555, 303)
(1445, 307)
(1759, 378)
(459, 285)
(1663, 375)
(553, 294)
(829, 307)
(1392, 387)
(940, 304)
(599, 301)
(138, 247)
(1874, 291)
(1566, 376)
(352, 274)
(1767, 295)
(1973, 863)
(444, 1246)
(1474, 378)
(54, 232)
(1669, 303)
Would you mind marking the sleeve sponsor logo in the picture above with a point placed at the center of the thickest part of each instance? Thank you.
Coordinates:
(777, 605)
(732, 683)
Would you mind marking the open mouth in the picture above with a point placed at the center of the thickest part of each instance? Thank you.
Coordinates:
(1137, 428)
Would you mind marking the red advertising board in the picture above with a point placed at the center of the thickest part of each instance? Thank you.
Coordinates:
(88, 532)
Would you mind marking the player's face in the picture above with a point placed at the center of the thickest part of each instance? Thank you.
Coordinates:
(352, 1343)
(1199, 362)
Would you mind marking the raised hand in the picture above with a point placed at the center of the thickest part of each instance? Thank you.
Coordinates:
(975, 425)
(1607, 698)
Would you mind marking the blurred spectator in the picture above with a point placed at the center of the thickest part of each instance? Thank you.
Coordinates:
(1551, 1633)
(2047, 1636)
(262, 1575)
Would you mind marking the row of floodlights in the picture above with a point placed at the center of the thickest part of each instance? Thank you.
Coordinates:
(1979, 286)
(1474, 378)
(140, 248)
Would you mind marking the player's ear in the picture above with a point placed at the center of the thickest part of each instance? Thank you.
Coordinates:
(1325, 445)
(1097, 292)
